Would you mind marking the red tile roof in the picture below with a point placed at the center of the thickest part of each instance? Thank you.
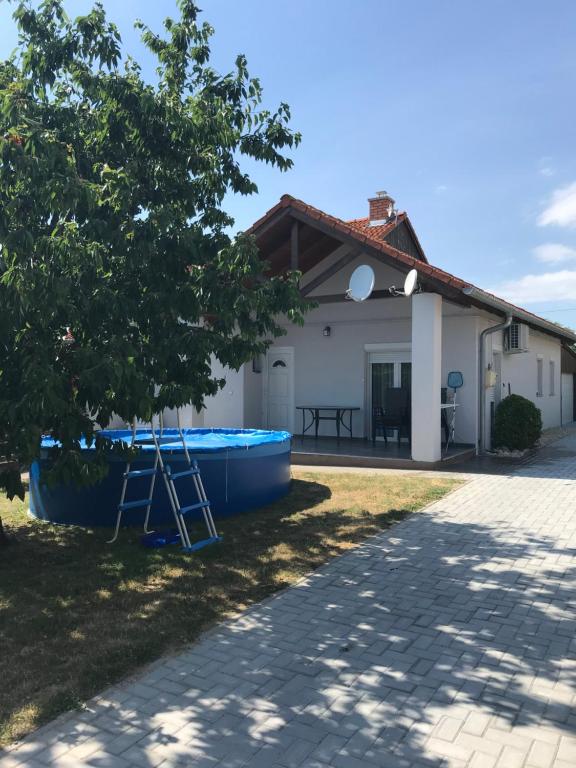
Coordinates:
(380, 230)
(364, 235)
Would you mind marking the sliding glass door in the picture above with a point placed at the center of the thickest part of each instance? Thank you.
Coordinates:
(383, 375)
(387, 370)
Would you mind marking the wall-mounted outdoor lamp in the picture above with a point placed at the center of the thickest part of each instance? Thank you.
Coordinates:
(327, 330)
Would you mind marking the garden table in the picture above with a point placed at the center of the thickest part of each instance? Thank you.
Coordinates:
(336, 413)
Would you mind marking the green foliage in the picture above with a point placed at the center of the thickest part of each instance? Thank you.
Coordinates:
(518, 423)
(112, 224)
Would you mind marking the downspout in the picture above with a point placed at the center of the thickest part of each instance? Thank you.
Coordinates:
(481, 365)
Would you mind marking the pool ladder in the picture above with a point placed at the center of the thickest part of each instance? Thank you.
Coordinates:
(192, 470)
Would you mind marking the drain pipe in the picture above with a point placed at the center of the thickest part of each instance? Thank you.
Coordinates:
(481, 365)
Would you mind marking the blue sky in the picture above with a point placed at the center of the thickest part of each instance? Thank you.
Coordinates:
(463, 111)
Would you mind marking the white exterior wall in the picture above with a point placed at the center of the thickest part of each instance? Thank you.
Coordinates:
(189, 417)
(519, 374)
(253, 406)
(333, 369)
(460, 353)
(567, 398)
(226, 408)
(521, 371)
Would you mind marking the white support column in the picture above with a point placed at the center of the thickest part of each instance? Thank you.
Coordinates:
(426, 376)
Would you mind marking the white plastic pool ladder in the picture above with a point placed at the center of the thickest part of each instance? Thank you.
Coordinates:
(178, 510)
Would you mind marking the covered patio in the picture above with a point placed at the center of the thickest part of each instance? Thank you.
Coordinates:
(359, 452)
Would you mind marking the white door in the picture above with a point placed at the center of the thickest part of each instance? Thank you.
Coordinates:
(279, 395)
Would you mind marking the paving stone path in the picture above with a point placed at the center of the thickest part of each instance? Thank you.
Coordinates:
(449, 640)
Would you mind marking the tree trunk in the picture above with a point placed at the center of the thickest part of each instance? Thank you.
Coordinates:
(4, 539)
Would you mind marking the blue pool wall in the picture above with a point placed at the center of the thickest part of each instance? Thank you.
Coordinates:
(241, 470)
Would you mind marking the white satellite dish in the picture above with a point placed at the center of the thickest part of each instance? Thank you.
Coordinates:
(361, 283)
(410, 282)
(409, 285)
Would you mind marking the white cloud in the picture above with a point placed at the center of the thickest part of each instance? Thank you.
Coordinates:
(440, 189)
(545, 167)
(554, 253)
(561, 210)
(530, 289)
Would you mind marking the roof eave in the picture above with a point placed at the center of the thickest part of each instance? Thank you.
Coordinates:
(495, 303)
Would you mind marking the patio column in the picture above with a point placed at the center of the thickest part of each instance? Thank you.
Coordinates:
(426, 376)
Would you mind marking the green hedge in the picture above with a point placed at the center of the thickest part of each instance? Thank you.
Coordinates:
(518, 424)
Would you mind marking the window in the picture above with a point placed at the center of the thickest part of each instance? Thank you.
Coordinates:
(552, 377)
(539, 377)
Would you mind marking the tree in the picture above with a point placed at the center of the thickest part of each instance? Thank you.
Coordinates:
(118, 278)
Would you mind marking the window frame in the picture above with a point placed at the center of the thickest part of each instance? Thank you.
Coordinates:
(539, 377)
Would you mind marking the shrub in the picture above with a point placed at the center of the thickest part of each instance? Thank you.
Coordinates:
(518, 423)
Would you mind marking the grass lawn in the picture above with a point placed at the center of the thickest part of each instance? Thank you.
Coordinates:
(77, 614)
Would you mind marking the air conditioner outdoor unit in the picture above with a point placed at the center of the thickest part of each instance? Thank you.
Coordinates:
(516, 338)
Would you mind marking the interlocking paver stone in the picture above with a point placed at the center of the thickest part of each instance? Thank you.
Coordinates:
(447, 640)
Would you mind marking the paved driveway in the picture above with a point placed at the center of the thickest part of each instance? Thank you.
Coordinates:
(447, 641)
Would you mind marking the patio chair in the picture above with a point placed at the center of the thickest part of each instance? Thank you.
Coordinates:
(395, 414)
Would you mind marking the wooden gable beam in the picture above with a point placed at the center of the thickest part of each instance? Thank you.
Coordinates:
(389, 261)
(305, 252)
(295, 245)
(336, 298)
(331, 270)
(272, 221)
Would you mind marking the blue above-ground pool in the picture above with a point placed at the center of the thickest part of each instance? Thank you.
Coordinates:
(241, 469)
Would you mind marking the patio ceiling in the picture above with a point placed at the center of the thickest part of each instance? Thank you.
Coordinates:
(276, 244)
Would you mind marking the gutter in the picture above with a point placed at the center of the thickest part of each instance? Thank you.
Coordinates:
(506, 309)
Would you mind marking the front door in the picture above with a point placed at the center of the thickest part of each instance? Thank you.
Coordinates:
(279, 395)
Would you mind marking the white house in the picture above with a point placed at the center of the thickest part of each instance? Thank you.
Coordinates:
(350, 354)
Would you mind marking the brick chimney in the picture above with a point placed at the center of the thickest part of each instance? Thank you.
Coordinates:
(381, 208)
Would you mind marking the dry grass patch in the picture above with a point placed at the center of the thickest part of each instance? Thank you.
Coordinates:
(77, 614)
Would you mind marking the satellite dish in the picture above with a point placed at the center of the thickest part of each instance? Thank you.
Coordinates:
(409, 285)
(361, 283)
(410, 282)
